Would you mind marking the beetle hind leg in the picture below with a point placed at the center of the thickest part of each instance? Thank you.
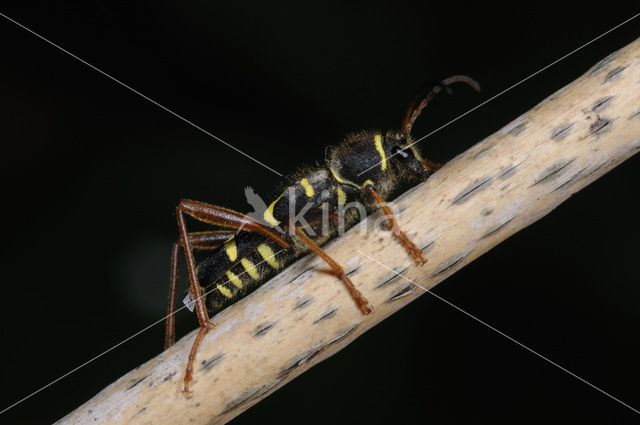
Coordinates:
(198, 240)
(188, 376)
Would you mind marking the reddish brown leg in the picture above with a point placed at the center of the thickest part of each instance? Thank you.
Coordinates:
(188, 377)
(219, 216)
(170, 326)
(336, 269)
(199, 240)
(201, 311)
(431, 166)
(404, 240)
(225, 217)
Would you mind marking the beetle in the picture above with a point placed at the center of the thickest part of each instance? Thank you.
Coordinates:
(314, 206)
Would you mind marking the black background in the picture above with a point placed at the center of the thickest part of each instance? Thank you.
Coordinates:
(91, 174)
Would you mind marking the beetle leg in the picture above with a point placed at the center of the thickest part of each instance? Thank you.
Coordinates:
(402, 237)
(361, 302)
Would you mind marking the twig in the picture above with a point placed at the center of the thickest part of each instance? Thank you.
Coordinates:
(302, 316)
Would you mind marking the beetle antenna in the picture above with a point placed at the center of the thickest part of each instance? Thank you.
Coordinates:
(425, 96)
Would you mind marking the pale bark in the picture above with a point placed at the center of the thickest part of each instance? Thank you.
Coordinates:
(302, 316)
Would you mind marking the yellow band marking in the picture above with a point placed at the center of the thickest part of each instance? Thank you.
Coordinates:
(224, 291)
(377, 140)
(308, 189)
(268, 213)
(350, 183)
(267, 253)
(336, 176)
(231, 249)
(233, 278)
(342, 197)
(415, 152)
(250, 268)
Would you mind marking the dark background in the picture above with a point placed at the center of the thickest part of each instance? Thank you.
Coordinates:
(91, 174)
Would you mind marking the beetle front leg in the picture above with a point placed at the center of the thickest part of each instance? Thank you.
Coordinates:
(402, 237)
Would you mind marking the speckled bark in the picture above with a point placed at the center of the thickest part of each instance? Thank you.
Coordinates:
(303, 316)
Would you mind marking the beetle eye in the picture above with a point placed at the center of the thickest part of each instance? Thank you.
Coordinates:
(397, 150)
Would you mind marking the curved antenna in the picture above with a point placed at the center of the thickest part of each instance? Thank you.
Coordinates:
(426, 95)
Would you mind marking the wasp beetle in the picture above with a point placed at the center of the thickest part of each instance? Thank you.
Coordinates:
(365, 168)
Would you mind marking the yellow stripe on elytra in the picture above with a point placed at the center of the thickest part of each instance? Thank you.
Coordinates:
(231, 249)
(233, 278)
(342, 197)
(267, 253)
(308, 189)
(377, 140)
(224, 291)
(250, 268)
(268, 213)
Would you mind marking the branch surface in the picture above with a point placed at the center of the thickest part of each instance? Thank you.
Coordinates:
(302, 316)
